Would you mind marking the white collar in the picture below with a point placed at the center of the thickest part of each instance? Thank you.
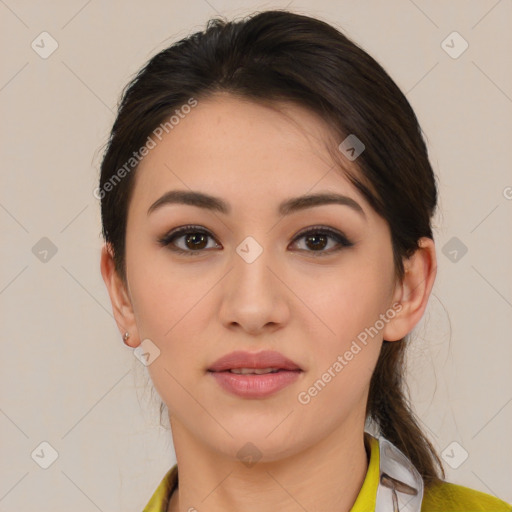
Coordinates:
(400, 486)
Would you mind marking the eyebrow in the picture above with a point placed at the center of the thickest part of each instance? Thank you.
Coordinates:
(295, 204)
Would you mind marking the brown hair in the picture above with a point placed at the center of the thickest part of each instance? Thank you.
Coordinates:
(276, 56)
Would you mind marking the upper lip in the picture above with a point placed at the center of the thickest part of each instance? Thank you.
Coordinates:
(264, 359)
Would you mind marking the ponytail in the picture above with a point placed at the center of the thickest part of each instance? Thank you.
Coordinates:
(388, 407)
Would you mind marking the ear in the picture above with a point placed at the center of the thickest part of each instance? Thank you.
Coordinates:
(414, 290)
(119, 296)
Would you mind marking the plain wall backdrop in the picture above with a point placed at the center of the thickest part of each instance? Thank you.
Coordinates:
(67, 379)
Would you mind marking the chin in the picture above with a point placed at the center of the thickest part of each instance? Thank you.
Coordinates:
(259, 441)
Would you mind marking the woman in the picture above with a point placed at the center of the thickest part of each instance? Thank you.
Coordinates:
(266, 199)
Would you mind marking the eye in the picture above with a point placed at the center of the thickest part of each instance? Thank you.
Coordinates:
(195, 240)
(318, 237)
(193, 237)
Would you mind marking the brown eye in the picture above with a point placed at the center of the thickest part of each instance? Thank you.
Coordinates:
(193, 240)
(317, 239)
(196, 240)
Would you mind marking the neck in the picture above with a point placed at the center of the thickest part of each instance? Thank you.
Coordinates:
(325, 476)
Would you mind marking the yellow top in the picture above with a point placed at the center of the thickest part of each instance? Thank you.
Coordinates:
(441, 497)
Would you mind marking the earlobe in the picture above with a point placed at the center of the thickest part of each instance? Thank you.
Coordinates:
(414, 290)
(119, 297)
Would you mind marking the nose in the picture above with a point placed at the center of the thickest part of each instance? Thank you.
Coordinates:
(254, 296)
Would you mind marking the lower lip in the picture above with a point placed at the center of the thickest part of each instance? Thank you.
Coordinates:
(255, 386)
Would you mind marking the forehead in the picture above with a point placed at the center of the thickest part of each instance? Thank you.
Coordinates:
(234, 147)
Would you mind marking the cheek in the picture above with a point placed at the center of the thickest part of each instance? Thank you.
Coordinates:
(163, 293)
(172, 308)
(345, 308)
(344, 302)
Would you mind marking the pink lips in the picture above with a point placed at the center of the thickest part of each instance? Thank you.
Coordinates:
(252, 385)
(265, 359)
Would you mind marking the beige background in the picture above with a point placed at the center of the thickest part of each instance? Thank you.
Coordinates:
(66, 378)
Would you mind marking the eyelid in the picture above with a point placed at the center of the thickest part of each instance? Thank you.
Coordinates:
(182, 230)
(320, 229)
(341, 239)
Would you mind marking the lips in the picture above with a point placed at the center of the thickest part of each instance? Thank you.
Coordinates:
(251, 375)
(266, 359)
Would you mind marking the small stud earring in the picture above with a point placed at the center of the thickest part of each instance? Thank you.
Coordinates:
(125, 337)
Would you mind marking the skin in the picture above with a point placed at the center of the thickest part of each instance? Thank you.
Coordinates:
(306, 306)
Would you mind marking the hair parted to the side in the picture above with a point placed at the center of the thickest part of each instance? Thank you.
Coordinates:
(274, 57)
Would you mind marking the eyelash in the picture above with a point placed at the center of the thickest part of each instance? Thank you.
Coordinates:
(341, 239)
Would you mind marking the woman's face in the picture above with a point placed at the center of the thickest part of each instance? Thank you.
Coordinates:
(254, 282)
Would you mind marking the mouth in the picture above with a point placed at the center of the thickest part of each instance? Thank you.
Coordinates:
(251, 383)
(258, 363)
(254, 375)
(254, 371)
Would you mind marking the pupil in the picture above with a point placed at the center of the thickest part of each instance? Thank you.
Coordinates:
(316, 237)
(196, 244)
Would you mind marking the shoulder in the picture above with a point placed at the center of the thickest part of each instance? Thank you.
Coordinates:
(448, 497)
(160, 498)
